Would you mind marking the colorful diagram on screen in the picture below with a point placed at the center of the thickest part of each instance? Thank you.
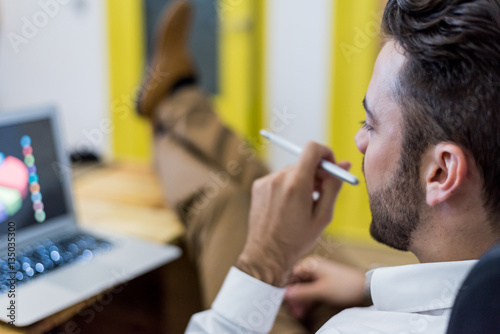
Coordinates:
(16, 179)
(13, 185)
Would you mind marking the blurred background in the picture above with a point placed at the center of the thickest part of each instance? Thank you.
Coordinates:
(299, 68)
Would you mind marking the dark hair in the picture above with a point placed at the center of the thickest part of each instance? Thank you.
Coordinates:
(449, 87)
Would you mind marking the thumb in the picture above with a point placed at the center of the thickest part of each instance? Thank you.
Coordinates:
(308, 270)
(330, 189)
(303, 292)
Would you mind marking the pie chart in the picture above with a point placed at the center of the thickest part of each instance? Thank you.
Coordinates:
(14, 178)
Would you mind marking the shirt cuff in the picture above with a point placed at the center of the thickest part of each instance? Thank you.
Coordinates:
(248, 302)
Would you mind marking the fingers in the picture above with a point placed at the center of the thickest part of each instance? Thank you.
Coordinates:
(330, 188)
(302, 274)
(297, 309)
(311, 159)
(304, 292)
(309, 269)
(346, 165)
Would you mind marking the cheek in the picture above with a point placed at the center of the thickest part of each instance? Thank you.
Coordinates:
(368, 169)
(379, 165)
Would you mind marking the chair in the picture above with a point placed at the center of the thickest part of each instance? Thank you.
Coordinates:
(477, 306)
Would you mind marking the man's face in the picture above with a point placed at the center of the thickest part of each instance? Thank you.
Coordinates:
(395, 195)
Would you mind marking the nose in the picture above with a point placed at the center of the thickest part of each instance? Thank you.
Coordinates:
(361, 140)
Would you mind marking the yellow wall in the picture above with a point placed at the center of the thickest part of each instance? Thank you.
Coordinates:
(355, 46)
(241, 42)
(132, 136)
(239, 101)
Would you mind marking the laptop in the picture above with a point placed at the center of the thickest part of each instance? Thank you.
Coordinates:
(47, 262)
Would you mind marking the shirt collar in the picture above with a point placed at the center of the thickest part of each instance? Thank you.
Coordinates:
(418, 287)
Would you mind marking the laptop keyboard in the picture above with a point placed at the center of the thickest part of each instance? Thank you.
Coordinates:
(43, 257)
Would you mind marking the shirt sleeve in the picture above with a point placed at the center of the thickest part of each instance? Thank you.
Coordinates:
(244, 305)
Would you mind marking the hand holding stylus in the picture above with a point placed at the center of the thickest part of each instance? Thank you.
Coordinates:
(285, 221)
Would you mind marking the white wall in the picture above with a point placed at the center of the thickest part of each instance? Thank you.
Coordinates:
(59, 57)
(298, 70)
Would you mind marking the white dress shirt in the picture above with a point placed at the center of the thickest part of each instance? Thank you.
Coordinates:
(406, 299)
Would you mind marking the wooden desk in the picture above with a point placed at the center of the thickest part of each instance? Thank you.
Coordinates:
(125, 198)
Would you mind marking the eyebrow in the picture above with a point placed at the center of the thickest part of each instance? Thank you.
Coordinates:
(368, 111)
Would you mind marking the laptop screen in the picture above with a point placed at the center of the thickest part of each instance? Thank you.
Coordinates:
(31, 191)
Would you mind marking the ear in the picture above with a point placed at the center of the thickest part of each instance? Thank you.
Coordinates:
(445, 171)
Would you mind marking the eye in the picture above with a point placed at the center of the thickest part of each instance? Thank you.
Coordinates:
(366, 126)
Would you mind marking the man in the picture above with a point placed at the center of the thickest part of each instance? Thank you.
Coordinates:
(431, 155)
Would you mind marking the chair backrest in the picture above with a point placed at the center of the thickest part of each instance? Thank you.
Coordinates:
(477, 306)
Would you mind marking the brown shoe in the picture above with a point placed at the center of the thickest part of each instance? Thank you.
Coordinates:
(171, 61)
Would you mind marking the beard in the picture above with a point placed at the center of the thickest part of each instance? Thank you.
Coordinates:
(396, 209)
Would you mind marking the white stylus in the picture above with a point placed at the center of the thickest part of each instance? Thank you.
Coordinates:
(295, 150)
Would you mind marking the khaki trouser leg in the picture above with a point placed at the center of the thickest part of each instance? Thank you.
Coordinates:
(206, 173)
